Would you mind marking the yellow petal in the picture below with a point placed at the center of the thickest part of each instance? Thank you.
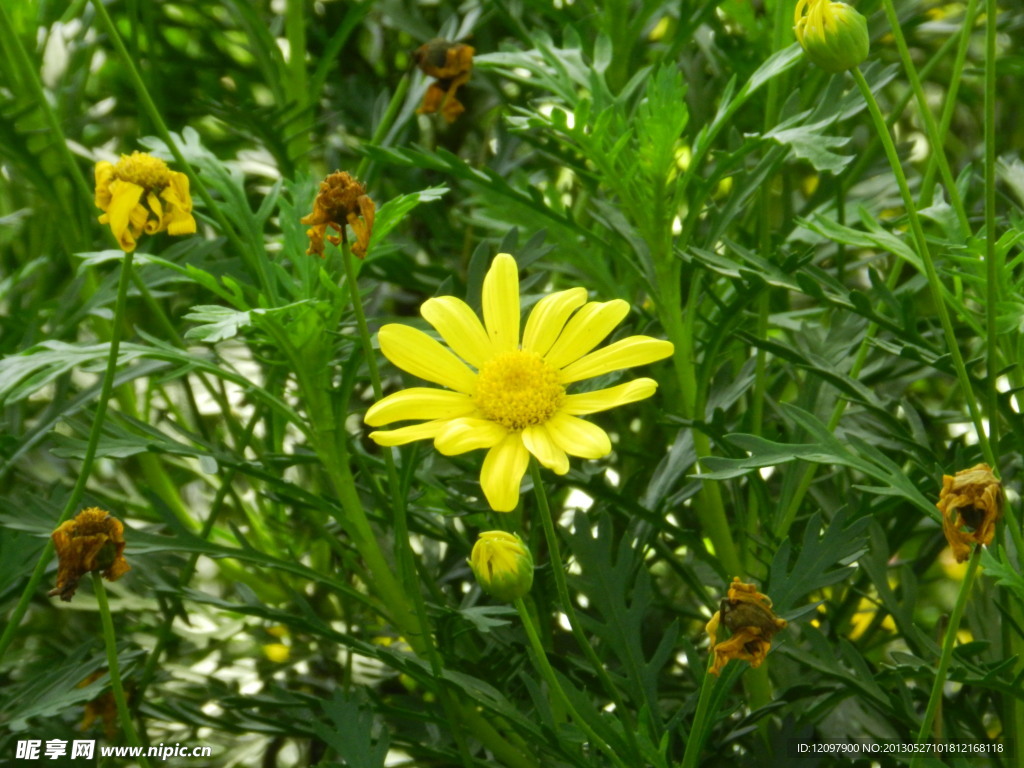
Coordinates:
(539, 443)
(635, 350)
(124, 199)
(548, 318)
(578, 437)
(613, 397)
(586, 330)
(418, 403)
(159, 224)
(467, 434)
(104, 175)
(404, 435)
(179, 203)
(420, 355)
(460, 328)
(501, 303)
(503, 472)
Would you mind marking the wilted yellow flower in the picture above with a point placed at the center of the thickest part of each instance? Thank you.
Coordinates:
(833, 35)
(141, 194)
(502, 564)
(341, 200)
(91, 541)
(515, 403)
(451, 63)
(971, 504)
(748, 615)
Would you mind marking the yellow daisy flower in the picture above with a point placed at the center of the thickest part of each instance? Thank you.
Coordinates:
(141, 194)
(515, 402)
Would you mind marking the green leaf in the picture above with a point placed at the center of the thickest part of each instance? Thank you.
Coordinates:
(825, 557)
(351, 730)
(810, 143)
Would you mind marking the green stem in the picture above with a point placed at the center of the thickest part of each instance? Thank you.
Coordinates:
(950, 102)
(698, 730)
(544, 667)
(947, 650)
(115, 671)
(269, 287)
(30, 72)
(558, 567)
(938, 152)
(403, 546)
(789, 514)
(678, 325)
(95, 431)
(991, 267)
(397, 99)
(934, 284)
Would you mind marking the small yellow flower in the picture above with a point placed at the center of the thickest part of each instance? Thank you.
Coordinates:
(971, 504)
(451, 63)
(141, 194)
(341, 200)
(748, 615)
(833, 35)
(515, 402)
(502, 564)
(91, 541)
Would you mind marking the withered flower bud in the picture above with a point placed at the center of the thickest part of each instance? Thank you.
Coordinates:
(971, 504)
(748, 615)
(91, 541)
(451, 64)
(341, 200)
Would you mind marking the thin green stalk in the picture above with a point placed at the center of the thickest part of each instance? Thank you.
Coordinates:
(789, 515)
(87, 460)
(115, 671)
(938, 151)
(269, 286)
(949, 102)
(298, 87)
(947, 650)
(934, 284)
(544, 667)
(386, 121)
(165, 632)
(992, 269)
(403, 546)
(558, 567)
(678, 325)
(29, 72)
(698, 731)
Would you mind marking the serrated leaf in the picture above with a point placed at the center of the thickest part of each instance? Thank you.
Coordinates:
(351, 730)
(810, 143)
(823, 558)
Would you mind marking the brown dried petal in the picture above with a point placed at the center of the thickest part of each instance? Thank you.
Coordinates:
(971, 503)
(91, 541)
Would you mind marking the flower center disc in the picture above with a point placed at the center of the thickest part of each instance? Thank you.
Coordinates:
(518, 390)
(148, 172)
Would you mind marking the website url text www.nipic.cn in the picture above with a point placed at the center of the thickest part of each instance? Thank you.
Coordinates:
(37, 749)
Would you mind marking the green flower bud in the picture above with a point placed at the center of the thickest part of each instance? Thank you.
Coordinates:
(833, 35)
(503, 565)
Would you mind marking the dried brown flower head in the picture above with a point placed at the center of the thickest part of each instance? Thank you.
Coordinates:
(341, 200)
(102, 708)
(92, 541)
(971, 504)
(748, 615)
(451, 64)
